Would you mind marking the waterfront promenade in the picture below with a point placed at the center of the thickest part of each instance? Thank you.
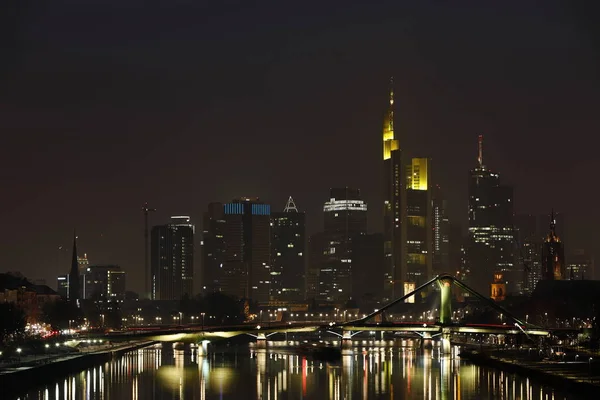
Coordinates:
(21, 374)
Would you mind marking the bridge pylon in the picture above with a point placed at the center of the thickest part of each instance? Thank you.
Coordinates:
(445, 284)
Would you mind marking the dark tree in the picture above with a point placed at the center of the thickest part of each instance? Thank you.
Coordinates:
(59, 313)
(12, 321)
(223, 309)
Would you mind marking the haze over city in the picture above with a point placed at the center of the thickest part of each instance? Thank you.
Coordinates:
(105, 107)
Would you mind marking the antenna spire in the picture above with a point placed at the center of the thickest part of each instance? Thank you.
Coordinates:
(74, 289)
(480, 153)
(290, 206)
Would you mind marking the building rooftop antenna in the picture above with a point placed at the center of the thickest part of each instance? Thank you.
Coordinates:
(480, 153)
(290, 206)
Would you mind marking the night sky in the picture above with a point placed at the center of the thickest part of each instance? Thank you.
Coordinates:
(107, 104)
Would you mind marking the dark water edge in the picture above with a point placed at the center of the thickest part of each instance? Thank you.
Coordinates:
(243, 371)
(19, 382)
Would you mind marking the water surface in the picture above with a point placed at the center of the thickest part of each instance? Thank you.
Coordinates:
(377, 370)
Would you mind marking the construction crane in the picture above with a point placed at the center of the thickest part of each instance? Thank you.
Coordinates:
(146, 210)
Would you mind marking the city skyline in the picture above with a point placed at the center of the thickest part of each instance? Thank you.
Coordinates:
(85, 165)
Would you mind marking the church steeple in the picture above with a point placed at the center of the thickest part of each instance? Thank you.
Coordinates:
(74, 290)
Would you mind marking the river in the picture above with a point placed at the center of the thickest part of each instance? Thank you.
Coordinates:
(379, 371)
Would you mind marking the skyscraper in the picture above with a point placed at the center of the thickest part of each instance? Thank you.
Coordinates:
(74, 277)
(213, 248)
(367, 268)
(529, 254)
(441, 232)
(580, 265)
(288, 242)
(345, 217)
(246, 270)
(491, 236)
(393, 200)
(104, 282)
(417, 227)
(172, 259)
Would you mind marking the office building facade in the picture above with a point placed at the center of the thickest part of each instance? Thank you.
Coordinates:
(491, 230)
(345, 217)
(441, 232)
(288, 253)
(580, 265)
(213, 248)
(417, 229)
(393, 205)
(105, 283)
(172, 259)
(246, 271)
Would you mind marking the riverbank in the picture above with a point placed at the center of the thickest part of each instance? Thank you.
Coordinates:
(570, 377)
(19, 379)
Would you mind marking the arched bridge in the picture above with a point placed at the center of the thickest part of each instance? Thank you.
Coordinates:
(374, 321)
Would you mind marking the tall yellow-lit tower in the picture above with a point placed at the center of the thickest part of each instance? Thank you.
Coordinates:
(392, 211)
(417, 225)
(390, 143)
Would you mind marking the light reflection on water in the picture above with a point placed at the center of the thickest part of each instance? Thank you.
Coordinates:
(386, 372)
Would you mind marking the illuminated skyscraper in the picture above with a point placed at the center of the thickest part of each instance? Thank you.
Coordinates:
(213, 248)
(417, 227)
(83, 264)
(393, 199)
(288, 242)
(104, 283)
(529, 248)
(172, 259)
(491, 230)
(345, 217)
(246, 270)
(441, 233)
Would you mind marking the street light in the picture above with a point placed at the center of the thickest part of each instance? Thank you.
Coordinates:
(203, 319)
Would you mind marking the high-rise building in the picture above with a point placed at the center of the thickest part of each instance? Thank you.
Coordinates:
(441, 233)
(367, 268)
(580, 265)
(172, 259)
(74, 293)
(553, 255)
(491, 231)
(288, 242)
(529, 246)
(345, 217)
(417, 230)
(213, 248)
(316, 259)
(393, 203)
(62, 286)
(83, 263)
(246, 270)
(104, 283)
